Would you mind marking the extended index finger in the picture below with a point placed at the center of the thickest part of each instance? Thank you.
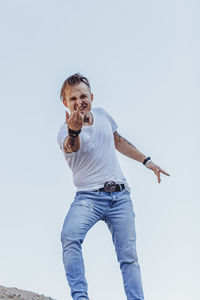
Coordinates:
(162, 171)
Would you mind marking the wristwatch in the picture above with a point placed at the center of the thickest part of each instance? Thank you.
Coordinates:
(146, 160)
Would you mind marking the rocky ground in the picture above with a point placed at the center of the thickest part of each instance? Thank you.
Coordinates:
(12, 293)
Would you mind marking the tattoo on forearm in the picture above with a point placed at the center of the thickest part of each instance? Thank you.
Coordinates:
(71, 141)
(69, 144)
(122, 139)
(67, 147)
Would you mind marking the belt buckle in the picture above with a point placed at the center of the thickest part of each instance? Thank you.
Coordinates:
(110, 186)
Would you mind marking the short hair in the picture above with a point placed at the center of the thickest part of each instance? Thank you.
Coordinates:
(72, 81)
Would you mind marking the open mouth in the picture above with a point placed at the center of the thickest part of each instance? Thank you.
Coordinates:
(82, 108)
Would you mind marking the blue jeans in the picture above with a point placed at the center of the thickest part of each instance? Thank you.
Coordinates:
(116, 209)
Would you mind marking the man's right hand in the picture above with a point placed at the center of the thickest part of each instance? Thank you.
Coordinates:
(75, 120)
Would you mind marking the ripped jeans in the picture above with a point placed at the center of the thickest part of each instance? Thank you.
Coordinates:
(116, 209)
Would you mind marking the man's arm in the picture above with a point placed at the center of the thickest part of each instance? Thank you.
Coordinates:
(72, 144)
(126, 148)
(74, 121)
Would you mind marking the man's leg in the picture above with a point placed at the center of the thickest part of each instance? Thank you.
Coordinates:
(120, 219)
(79, 219)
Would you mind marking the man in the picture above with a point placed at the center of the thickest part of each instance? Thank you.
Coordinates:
(88, 140)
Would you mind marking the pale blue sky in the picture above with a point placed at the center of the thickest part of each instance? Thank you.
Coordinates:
(142, 60)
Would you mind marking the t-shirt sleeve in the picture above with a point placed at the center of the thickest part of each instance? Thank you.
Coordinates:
(62, 135)
(112, 121)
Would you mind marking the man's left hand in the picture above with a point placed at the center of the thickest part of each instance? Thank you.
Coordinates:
(157, 170)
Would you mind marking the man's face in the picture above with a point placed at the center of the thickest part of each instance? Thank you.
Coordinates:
(78, 95)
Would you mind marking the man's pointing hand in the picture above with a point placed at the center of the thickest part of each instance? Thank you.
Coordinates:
(157, 170)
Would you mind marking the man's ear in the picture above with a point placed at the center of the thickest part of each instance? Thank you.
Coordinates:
(65, 102)
(91, 97)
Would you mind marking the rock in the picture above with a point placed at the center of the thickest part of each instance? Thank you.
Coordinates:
(17, 294)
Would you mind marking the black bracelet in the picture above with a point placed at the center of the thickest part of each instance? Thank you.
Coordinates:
(73, 133)
(146, 160)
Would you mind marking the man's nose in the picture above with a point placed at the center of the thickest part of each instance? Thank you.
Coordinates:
(79, 101)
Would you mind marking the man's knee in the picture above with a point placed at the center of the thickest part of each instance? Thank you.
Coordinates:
(127, 256)
(70, 237)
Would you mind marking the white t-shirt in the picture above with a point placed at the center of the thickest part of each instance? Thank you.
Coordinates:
(96, 161)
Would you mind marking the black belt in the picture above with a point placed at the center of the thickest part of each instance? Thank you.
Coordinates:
(111, 186)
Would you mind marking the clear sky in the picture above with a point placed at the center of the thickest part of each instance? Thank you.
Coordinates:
(142, 60)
